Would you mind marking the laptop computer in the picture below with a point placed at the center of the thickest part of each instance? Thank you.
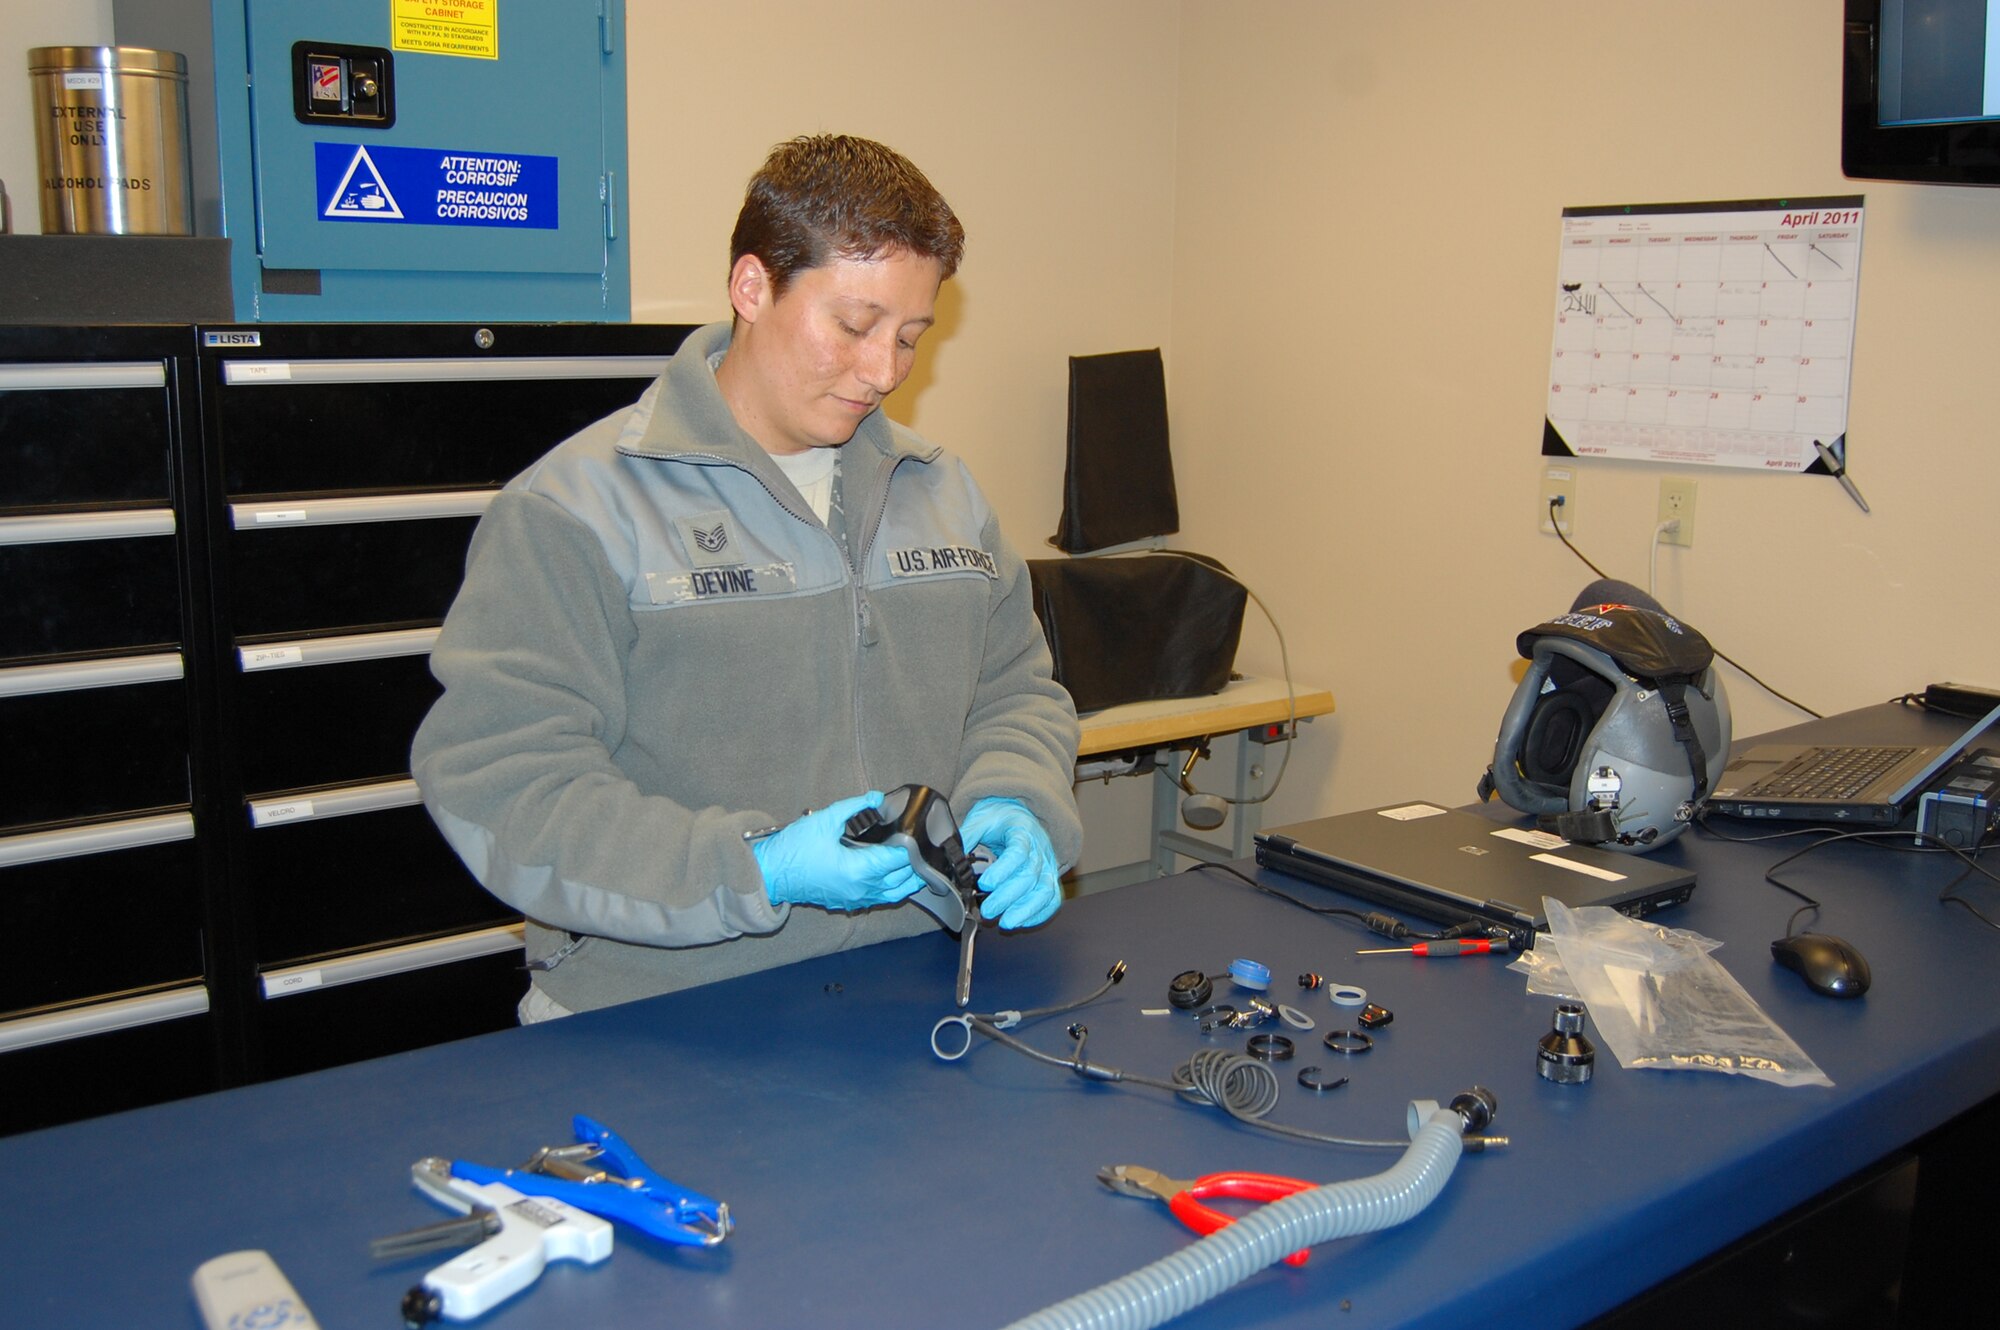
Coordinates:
(1872, 784)
(1448, 866)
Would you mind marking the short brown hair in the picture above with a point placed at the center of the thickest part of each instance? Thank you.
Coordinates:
(823, 197)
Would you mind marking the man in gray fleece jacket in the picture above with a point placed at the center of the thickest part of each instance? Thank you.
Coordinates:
(751, 594)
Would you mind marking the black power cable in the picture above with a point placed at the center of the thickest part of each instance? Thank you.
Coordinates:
(1555, 502)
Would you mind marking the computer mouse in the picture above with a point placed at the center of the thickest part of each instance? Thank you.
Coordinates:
(1828, 964)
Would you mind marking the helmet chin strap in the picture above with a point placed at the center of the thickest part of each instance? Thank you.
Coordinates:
(1592, 828)
(1674, 695)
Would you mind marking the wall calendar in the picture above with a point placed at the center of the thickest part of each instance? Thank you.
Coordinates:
(1708, 333)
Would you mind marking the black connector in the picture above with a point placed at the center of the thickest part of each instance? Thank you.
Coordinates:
(1385, 924)
(1960, 699)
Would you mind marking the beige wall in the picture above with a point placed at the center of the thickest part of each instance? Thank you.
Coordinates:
(1339, 218)
(1048, 124)
(24, 25)
(1367, 210)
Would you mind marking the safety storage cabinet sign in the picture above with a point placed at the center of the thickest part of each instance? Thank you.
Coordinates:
(434, 186)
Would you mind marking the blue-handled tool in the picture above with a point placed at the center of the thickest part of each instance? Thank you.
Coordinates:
(602, 1175)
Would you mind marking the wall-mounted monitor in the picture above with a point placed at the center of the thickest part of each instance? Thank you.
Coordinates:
(1921, 91)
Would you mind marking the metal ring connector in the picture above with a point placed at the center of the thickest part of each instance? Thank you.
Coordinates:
(963, 1021)
(1270, 1047)
(1315, 1080)
(1350, 1042)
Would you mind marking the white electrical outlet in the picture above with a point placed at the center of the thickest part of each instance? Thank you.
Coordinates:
(1558, 483)
(1677, 505)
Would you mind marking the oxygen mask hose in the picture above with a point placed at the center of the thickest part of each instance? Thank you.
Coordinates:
(1156, 1293)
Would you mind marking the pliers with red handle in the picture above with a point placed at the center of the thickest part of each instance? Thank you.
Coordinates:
(1185, 1197)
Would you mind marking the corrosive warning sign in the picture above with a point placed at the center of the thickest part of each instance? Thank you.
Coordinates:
(468, 28)
(434, 186)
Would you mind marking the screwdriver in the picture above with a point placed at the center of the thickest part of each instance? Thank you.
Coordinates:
(1462, 946)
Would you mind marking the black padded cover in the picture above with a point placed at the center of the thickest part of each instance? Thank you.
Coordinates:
(1138, 629)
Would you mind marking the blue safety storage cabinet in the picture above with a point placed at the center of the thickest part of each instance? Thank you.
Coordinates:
(388, 160)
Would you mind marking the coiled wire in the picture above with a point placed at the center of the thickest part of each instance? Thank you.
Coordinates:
(1242, 1087)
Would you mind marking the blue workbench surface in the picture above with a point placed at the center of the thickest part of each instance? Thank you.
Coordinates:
(874, 1185)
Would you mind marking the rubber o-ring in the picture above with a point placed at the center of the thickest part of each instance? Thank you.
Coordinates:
(1349, 1042)
(1346, 995)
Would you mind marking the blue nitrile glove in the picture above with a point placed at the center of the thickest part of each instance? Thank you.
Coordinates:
(806, 864)
(1022, 884)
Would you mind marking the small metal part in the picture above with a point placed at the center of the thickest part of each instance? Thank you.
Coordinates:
(483, 339)
(1144, 1183)
(1270, 1047)
(459, 1231)
(1564, 1055)
(1314, 1079)
(1217, 1017)
(1309, 981)
(1078, 1030)
(1190, 989)
(1350, 1042)
(1255, 1012)
(574, 1163)
(968, 934)
(1346, 995)
(1476, 1107)
(1373, 1017)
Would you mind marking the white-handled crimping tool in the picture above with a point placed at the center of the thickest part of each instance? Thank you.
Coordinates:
(517, 1237)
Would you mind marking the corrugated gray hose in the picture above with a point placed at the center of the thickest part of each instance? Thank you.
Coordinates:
(1155, 1294)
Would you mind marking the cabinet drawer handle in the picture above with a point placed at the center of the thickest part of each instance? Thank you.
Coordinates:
(108, 374)
(49, 528)
(128, 834)
(342, 802)
(285, 981)
(102, 1018)
(286, 514)
(34, 680)
(261, 373)
(336, 650)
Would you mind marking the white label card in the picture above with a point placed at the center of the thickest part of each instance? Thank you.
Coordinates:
(1588, 870)
(1411, 812)
(1541, 840)
(276, 985)
(265, 815)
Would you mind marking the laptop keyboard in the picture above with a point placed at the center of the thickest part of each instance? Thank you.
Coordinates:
(1830, 773)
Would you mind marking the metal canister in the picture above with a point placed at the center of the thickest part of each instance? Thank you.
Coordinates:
(111, 138)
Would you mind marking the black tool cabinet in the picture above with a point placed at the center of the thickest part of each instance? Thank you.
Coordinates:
(104, 997)
(225, 554)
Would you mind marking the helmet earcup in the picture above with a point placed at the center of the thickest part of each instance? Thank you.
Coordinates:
(1557, 728)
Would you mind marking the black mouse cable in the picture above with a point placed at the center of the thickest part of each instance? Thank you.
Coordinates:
(1950, 896)
(1884, 840)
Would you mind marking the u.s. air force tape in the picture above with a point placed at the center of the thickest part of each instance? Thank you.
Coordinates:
(930, 560)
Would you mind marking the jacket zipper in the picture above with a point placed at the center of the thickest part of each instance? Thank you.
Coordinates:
(857, 603)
